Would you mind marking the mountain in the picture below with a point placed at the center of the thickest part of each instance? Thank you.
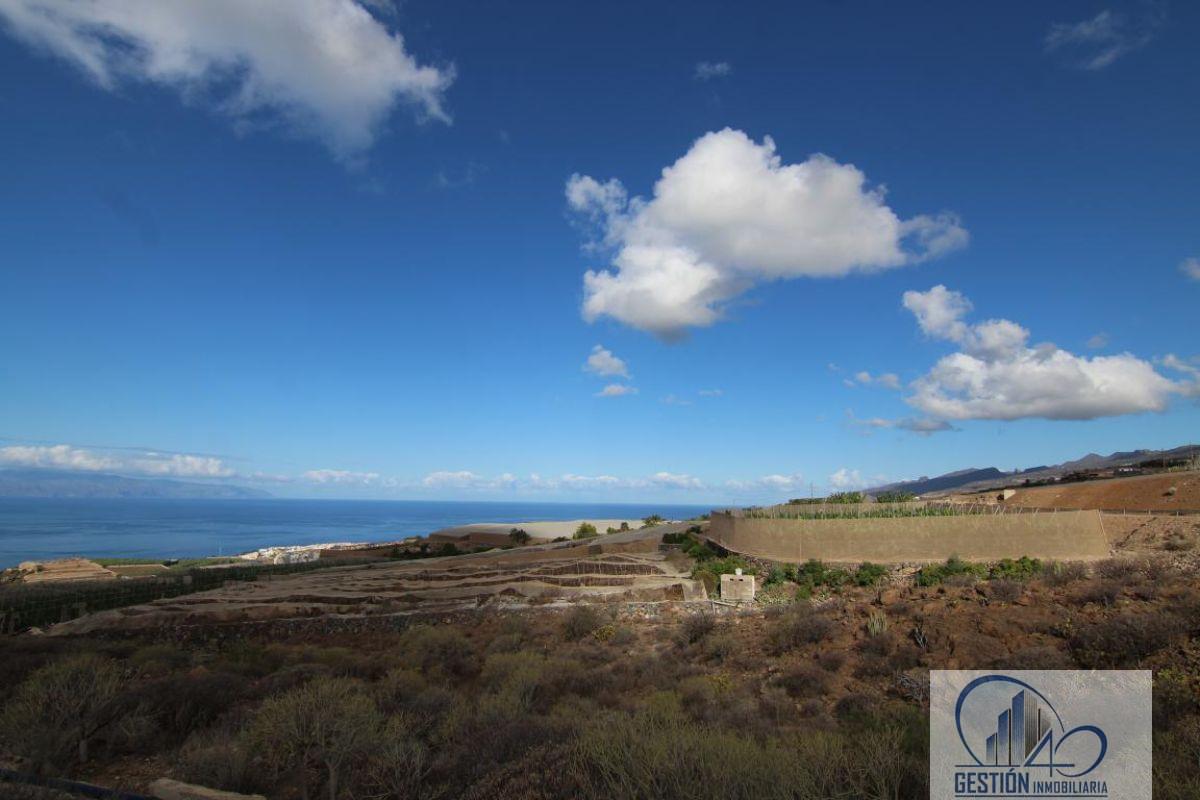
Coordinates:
(975, 479)
(58, 483)
(951, 480)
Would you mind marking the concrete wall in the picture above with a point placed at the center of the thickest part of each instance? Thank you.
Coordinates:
(1068, 535)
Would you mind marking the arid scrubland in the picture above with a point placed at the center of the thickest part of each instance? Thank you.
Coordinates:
(818, 691)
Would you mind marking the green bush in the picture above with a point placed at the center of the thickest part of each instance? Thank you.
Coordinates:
(935, 574)
(586, 530)
(869, 574)
(846, 497)
(652, 520)
(1023, 569)
(519, 536)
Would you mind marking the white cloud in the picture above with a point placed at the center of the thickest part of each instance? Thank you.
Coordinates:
(1190, 267)
(707, 70)
(459, 479)
(846, 479)
(730, 214)
(136, 462)
(1095, 43)
(710, 392)
(1099, 341)
(676, 400)
(603, 362)
(997, 375)
(327, 68)
(616, 390)
(768, 483)
(888, 380)
(341, 477)
(922, 426)
(673, 480)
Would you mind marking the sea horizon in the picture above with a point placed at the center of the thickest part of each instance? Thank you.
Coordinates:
(35, 529)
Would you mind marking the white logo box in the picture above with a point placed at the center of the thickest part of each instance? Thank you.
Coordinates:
(1033, 734)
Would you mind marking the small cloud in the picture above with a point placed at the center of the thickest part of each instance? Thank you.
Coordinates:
(1190, 267)
(602, 362)
(1096, 43)
(707, 70)
(710, 392)
(675, 481)
(1098, 341)
(450, 180)
(676, 400)
(888, 380)
(616, 390)
(922, 426)
(340, 477)
(846, 479)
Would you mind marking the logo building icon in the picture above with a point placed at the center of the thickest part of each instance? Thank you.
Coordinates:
(1019, 731)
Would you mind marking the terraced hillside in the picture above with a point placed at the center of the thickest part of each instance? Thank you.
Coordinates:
(627, 566)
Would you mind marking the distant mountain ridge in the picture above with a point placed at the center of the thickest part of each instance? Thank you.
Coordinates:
(65, 484)
(981, 478)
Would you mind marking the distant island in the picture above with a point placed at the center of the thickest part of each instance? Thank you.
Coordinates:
(62, 484)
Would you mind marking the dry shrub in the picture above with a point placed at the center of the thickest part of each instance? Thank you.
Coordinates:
(1175, 774)
(1061, 573)
(542, 773)
(217, 759)
(879, 645)
(579, 622)
(399, 765)
(1176, 697)
(804, 681)
(1036, 657)
(719, 646)
(158, 659)
(398, 690)
(437, 650)
(57, 712)
(660, 753)
(182, 704)
(623, 636)
(799, 625)
(831, 660)
(1006, 591)
(318, 733)
(1123, 640)
(695, 627)
(1118, 569)
(1179, 542)
(1104, 593)
(1147, 590)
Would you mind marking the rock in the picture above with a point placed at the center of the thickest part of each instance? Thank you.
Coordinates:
(167, 789)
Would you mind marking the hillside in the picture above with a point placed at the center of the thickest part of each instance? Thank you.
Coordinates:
(55, 484)
(987, 477)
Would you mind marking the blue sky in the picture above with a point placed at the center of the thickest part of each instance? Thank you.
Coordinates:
(353, 264)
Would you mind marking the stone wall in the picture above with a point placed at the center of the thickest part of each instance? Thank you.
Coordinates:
(1066, 535)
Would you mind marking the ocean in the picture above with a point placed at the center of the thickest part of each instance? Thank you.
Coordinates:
(38, 529)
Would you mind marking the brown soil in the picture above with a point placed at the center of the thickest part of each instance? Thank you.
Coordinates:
(1143, 492)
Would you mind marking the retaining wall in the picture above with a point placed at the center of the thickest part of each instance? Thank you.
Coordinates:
(1066, 535)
